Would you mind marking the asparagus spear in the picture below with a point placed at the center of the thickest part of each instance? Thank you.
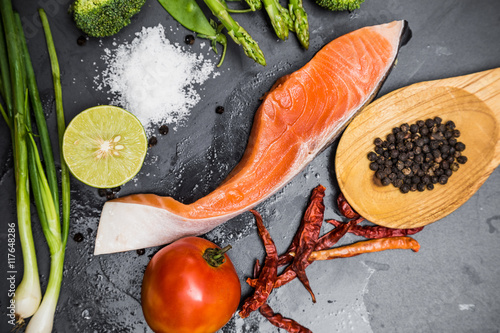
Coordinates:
(280, 18)
(300, 22)
(237, 33)
(254, 4)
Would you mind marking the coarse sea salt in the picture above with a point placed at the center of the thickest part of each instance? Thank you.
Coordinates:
(154, 79)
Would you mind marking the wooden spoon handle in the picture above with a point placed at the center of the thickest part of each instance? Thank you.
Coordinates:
(486, 86)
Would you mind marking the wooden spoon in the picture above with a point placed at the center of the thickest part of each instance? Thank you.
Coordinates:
(471, 101)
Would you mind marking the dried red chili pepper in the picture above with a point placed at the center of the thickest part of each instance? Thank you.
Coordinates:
(332, 237)
(268, 274)
(278, 320)
(308, 236)
(344, 207)
(324, 242)
(372, 245)
(370, 231)
(286, 258)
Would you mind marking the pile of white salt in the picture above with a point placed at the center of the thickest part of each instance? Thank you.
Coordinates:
(153, 78)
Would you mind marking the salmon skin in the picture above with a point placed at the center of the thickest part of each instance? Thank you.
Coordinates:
(298, 118)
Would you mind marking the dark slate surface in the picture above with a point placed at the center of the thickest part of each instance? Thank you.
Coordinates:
(451, 285)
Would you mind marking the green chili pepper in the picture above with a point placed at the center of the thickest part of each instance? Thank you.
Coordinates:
(189, 14)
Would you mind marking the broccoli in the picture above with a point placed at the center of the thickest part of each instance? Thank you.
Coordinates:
(101, 18)
(340, 4)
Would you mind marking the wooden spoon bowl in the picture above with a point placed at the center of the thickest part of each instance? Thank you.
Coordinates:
(471, 101)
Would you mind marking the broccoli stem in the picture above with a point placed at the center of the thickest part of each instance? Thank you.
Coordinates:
(237, 33)
(280, 18)
(300, 22)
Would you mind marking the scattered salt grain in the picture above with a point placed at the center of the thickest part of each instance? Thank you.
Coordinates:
(154, 79)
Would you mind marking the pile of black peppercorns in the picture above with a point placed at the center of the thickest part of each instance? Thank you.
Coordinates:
(416, 157)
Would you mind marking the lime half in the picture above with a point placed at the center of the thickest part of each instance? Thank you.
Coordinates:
(104, 146)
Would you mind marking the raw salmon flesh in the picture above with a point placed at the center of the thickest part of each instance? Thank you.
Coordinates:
(298, 118)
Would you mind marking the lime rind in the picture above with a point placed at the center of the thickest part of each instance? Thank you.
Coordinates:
(104, 146)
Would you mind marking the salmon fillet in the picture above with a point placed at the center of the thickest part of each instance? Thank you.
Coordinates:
(298, 118)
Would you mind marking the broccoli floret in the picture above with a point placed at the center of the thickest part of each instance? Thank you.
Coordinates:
(340, 5)
(101, 18)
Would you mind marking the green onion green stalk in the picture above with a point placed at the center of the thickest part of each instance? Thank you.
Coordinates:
(19, 91)
(28, 293)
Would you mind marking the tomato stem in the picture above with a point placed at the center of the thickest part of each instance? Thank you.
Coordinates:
(214, 256)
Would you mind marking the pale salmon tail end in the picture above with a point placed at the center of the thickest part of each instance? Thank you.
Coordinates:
(126, 226)
(298, 118)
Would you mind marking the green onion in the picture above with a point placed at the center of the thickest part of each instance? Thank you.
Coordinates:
(41, 123)
(43, 319)
(18, 87)
(6, 91)
(61, 125)
(27, 296)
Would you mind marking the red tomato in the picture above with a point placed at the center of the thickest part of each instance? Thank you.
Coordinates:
(181, 292)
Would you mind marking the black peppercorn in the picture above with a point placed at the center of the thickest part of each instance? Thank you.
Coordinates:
(78, 237)
(405, 188)
(220, 110)
(450, 125)
(438, 120)
(163, 130)
(390, 137)
(372, 156)
(454, 167)
(429, 122)
(386, 181)
(430, 187)
(420, 187)
(420, 123)
(82, 40)
(152, 141)
(426, 149)
(102, 192)
(448, 172)
(380, 174)
(379, 150)
(140, 252)
(189, 39)
(424, 130)
(413, 187)
(397, 182)
(443, 179)
(414, 128)
(462, 159)
(459, 146)
(374, 166)
(434, 179)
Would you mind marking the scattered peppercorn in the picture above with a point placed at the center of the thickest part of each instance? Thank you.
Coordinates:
(102, 192)
(141, 252)
(189, 39)
(81, 40)
(219, 109)
(163, 129)
(152, 141)
(78, 237)
(416, 156)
